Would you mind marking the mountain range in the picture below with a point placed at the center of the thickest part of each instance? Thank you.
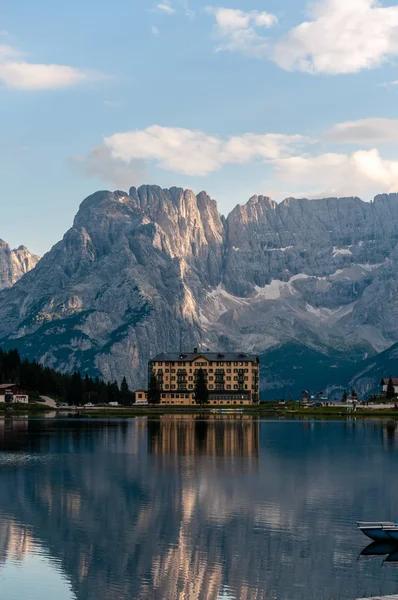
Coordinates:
(310, 285)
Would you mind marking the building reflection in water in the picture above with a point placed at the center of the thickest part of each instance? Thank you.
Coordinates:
(232, 437)
(186, 508)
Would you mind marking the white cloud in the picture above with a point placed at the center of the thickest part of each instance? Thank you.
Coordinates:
(237, 30)
(8, 53)
(26, 76)
(101, 164)
(19, 74)
(155, 31)
(165, 7)
(368, 131)
(197, 153)
(342, 36)
(363, 172)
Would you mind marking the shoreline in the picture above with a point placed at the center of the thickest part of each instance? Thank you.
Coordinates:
(262, 411)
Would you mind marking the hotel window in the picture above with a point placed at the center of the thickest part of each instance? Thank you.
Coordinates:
(163, 395)
(228, 387)
(246, 364)
(172, 395)
(211, 378)
(166, 386)
(173, 370)
(228, 364)
(235, 378)
(167, 371)
(210, 387)
(228, 379)
(160, 364)
(173, 378)
(190, 378)
(190, 387)
(236, 364)
(186, 395)
(228, 370)
(245, 387)
(166, 364)
(235, 387)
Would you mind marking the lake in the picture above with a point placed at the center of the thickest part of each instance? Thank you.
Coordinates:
(183, 507)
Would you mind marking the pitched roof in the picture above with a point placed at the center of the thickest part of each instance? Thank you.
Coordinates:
(5, 386)
(385, 380)
(210, 356)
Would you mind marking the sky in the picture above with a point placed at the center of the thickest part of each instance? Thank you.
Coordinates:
(274, 97)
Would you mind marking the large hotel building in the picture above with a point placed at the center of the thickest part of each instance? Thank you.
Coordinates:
(231, 378)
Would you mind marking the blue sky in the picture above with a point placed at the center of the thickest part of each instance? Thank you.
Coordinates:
(279, 97)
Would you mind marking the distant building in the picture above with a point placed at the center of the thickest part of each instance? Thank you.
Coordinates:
(141, 397)
(232, 378)
(11, 393)
(384, 384)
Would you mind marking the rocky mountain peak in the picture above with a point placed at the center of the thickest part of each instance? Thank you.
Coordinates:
(14, 263)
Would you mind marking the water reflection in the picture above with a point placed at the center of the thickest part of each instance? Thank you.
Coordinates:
(233, 437)
(198, 509)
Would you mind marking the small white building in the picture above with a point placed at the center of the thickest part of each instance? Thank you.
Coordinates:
(11, 393)
(141, 398)
(384, 384)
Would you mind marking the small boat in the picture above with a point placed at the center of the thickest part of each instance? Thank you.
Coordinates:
(392, 532)
(375, 530)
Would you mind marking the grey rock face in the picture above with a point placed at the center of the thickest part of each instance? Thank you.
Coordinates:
(157, 270)
(14, 263)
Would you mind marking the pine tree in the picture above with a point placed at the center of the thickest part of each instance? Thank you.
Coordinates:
(126, 397)
(124, 387)
(153, 390)
(344, 398)
(390, 389)
(201, 391)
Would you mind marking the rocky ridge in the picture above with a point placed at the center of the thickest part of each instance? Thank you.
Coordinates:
(155, 269)
(14, 263)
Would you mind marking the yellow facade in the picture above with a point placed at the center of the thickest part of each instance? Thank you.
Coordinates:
(232, 379)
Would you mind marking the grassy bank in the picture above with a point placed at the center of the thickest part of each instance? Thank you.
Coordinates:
(32, 409)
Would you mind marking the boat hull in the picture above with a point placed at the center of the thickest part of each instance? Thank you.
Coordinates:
(376, 533)
(392, 534)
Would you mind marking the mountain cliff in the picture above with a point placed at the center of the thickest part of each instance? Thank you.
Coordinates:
(155, 269)
(14, 263)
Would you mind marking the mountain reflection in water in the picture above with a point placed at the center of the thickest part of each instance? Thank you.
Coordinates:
(192, 508)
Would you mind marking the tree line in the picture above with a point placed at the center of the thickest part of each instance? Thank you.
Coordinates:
(71, 389)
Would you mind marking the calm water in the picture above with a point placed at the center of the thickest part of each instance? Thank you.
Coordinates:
(193, 509)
